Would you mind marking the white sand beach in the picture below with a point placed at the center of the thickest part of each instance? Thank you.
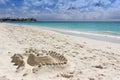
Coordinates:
(87, 59)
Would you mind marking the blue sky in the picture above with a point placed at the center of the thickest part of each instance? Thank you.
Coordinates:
(61, 9)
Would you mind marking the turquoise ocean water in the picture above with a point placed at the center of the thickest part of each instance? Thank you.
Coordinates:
(106, 28)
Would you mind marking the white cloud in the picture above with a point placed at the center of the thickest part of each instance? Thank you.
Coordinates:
(60, 10)
(3, 1)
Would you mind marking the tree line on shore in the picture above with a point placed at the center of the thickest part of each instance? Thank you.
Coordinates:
(7, 19)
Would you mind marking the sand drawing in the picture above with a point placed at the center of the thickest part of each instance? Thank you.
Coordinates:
(18, 60)
(35, 59)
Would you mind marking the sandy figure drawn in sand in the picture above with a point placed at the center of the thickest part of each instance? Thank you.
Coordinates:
(18, 60)
(33, 59)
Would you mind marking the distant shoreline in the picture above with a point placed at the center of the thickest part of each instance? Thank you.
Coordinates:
(17, 20)
(70, 21)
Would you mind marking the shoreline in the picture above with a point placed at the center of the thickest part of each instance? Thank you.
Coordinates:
(101, 37)
(90, 35)
(95, 36)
